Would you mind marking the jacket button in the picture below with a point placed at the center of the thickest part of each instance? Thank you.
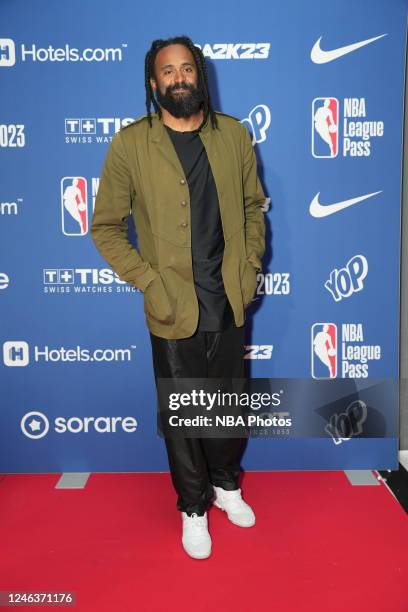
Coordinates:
(184, 224)
(183, 203)
(182, 181)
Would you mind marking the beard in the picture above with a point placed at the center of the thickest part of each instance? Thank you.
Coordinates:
(181, 104)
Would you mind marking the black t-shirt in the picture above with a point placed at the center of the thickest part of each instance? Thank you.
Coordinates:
(207, 238)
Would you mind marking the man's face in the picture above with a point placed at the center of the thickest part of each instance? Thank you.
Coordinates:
(176, 81)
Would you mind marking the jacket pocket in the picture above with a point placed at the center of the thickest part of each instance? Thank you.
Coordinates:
(248, 282)
(156, 302)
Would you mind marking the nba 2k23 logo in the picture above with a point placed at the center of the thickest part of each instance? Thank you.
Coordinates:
(74, 206)
(324, 350)
(325, 127)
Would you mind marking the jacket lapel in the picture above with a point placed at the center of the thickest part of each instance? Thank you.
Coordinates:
(164, 144)
(162, 140)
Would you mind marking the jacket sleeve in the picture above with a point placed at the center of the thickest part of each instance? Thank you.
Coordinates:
(109, 228)
(254, 199)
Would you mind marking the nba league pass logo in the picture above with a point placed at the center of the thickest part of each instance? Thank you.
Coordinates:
(350, 360)
(74, 206)
(358, 131)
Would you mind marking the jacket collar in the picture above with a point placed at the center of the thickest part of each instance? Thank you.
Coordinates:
(158, 129)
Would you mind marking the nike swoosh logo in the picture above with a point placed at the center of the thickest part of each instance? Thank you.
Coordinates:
(324, 210)
(319, 56)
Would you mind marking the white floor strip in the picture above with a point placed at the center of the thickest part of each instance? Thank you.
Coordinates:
(403, 458)
(73, 480)
(361, 477)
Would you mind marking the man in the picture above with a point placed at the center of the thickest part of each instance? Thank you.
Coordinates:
(188, 175)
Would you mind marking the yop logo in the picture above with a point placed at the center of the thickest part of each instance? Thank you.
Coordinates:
(324, 350)
(258, 121)
(34, 425)
(7, 52)
(325, 127)
(74, 206)
(16, 353)
(348, 280)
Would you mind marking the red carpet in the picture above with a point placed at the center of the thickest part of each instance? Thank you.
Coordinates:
(320, 544)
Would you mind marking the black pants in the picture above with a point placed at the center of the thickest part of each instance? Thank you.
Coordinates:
(198, 463)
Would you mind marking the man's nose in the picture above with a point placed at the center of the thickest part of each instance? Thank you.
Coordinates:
(179, 78)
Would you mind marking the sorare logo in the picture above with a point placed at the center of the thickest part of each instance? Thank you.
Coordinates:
(325, 127)
(74, 206)
(324, 350)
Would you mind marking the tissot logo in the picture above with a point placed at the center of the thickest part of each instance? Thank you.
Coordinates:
(93, 130)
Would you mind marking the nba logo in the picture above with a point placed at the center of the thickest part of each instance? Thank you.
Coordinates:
(324, 350)
(74, 206)
(325, 127)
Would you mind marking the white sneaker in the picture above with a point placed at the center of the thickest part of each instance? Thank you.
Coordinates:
(238, 511)
(196, 540)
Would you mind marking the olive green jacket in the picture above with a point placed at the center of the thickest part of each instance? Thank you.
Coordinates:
(142, 175)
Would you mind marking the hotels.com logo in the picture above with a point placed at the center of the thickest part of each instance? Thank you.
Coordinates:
(7, 52)
(16, 353)
(66, 53)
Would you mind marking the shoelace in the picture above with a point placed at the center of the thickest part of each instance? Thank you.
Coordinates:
(233, 499)
(197, 524)
(198, 520)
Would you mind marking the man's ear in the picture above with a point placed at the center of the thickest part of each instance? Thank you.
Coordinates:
(153, 84)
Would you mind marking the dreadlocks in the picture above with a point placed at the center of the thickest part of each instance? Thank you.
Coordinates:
(201, 69)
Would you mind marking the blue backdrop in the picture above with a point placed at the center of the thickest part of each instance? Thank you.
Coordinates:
(320, 86)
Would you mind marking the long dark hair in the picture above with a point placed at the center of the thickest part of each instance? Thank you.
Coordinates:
(201, 69)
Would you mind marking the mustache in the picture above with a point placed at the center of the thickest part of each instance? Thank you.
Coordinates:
(181, 87)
